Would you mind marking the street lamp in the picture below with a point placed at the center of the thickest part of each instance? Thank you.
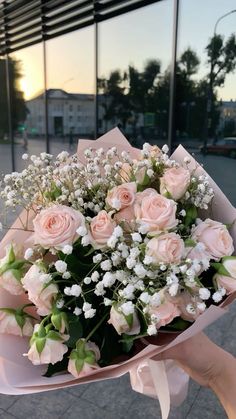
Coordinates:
(210, 87)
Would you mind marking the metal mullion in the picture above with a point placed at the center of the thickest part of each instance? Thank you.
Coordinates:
(9, 114)
(96, 104)
(172, 103)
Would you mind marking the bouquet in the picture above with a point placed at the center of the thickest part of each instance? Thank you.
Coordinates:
(114, 246)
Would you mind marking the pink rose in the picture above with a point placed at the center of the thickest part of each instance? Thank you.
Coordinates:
(182, 301)
(101, 229)
(83, 362)
(215, 237)
(52, 351)
(10, 275)
(146, 193)
(56, 226)
(41, 294)
(226, 282)
(166, 248)
(175, 181)
(9, 325)
(165, 313)
(120, 323)
(155, 212)
(126, 214)
(121, 196)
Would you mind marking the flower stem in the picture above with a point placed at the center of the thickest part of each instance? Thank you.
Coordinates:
(96, 327)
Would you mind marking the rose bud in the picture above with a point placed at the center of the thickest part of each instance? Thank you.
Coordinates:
(229, 263)
(15, 322)
(59, 320)
(227, 282)
(124, 324)
(83, 359)
(11, 270)
(46, 346)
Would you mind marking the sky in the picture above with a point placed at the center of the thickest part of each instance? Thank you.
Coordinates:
(128, 39)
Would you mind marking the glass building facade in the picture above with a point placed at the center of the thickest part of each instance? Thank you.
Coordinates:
(156, 71)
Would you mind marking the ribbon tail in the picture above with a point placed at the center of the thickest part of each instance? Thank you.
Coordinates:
(160, 381)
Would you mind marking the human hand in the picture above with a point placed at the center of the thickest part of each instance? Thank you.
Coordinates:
(199, 357)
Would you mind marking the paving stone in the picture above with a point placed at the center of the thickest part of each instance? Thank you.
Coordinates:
(181, 412)
(113, 395)
(7, 401)
(43, 405)
(77, 390)
(6, 415)
(83, 409)
(206, 405)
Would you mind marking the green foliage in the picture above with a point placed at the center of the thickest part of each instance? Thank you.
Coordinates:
(177, 324)
(75, 330)
(19, 109)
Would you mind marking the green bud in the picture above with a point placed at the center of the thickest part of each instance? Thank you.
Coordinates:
(59, 320)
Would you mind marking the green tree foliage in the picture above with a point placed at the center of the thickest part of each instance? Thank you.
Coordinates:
(19, 110)
(133, 93)
(221, 56)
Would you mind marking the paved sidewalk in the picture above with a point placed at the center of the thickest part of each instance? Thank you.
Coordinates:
(115, 398)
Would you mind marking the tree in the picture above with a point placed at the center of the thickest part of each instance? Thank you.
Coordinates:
(19, 109)
(142, 89)
(113, 99)
(221, 55)
(189, 63)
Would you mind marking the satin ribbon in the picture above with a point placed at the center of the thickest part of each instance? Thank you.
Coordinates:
(162, 380)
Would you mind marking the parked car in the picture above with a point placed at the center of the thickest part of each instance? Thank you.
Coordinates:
(223, 147)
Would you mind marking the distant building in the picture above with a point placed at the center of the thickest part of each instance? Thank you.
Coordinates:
(67, 112)
(228, 116)
(71, 113)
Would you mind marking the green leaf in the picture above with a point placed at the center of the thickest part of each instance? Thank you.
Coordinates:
(75, 330)
(129, 319)
(40, 343)
(127, 342)
(52, 334)
(20, 320)
(191, 215)
(177, 324)
(79, 363)
(190, 243)
(17, 274)
(220, 268)
(11, 255)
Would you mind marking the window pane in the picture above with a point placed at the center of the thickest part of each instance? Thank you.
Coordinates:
(206, 86)
(134, 59)
(5, 146)
(71, 81)
(28, 113)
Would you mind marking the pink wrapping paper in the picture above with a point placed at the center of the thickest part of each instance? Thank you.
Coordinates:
(163, 380)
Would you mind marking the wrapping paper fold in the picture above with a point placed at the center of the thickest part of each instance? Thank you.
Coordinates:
(162, 380)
